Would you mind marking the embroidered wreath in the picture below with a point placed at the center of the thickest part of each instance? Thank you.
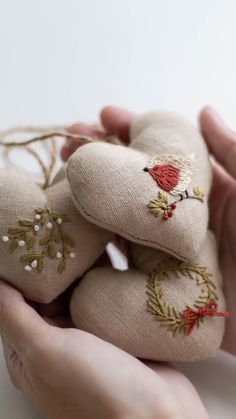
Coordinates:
(175, 320)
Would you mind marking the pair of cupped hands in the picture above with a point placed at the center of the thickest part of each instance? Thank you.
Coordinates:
(68, 373)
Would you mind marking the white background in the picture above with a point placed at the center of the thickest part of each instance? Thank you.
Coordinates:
(62, 60)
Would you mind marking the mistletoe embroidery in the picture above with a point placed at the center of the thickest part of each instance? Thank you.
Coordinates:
(173, 175)
(175, 320)
(55, 244)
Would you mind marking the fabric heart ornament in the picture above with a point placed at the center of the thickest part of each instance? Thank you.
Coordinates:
(45, 243)
(153, 192)
(166, 310)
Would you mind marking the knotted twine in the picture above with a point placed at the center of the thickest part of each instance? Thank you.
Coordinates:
(49, 135)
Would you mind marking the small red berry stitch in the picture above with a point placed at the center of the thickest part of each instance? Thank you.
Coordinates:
(173, 206)
(170, 213)
(165, 217)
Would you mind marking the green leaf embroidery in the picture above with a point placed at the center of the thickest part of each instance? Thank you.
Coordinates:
(56, 243)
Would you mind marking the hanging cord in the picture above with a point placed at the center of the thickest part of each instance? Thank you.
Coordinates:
(50, 135)
(85, 139)
(44, 169)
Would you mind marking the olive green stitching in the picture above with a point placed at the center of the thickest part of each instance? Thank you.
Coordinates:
(168, 315)
(55, 244)
(162, 207)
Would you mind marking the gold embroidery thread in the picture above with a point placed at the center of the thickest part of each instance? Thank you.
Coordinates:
(174, 320)
(162, 207)
(54, 244)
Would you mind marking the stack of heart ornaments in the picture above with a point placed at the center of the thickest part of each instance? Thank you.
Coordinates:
(168, 305)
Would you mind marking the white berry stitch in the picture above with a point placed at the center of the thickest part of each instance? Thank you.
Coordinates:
(39, 247)
(34, 264)
(21, 243)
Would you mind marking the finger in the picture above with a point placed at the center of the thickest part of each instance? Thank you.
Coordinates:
(220, 139)
(182, 389)
(71, 145)
(117, 120)
(66, 152)
(221, 189)
(20, 325)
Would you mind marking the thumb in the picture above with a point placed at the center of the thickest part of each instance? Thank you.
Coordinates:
(220, 139)
(117, 120)
(20, 325)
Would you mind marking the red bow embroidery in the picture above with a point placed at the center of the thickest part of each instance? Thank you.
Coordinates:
(191, 316)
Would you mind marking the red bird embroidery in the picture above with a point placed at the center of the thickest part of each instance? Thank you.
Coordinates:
(172, 173)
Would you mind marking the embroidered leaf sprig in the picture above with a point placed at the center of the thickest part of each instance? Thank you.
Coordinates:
(54, 244)
(161, 207)
(174, 320)
(199, 192)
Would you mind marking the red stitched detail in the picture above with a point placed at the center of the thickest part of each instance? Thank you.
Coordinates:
(166, 176)
(191, 316)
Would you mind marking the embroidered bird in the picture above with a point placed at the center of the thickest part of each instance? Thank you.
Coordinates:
(172, 173)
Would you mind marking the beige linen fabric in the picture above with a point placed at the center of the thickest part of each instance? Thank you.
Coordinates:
(20, 196)
(113, 305)
(110, 188)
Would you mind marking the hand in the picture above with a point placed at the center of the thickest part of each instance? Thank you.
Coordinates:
(222, 144)
(68, 373)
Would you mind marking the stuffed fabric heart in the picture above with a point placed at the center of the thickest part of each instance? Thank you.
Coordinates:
(167, 310)
(46, 244)
(153, 192)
